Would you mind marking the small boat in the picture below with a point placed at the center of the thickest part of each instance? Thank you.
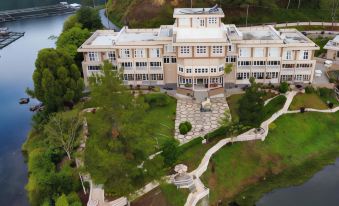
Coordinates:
(23, 100)
(4, 31)
(35, 108)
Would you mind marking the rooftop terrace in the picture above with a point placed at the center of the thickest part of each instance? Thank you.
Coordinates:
(197, 11)
(259, 33)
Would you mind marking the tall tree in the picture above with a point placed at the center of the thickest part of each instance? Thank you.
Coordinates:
(252, 105)
(89, 18)
(63, 131)
(56, 79)
(123, 113)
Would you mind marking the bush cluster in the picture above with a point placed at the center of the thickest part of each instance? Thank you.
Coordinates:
(283, 88)
(157, 99)
(185, 127)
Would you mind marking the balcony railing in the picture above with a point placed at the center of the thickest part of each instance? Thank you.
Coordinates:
(155, 68)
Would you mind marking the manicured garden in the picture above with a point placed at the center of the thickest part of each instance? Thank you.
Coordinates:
(299, 145)
(314, 98)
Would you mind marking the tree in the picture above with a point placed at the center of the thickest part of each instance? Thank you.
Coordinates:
(228, 68)
(71, 21)
(251, 105)
(89, 18)
(62, 201)
(170, 152)
(57, 79)
(72, 39)
(129, 149)
(63, 130)
(283, 88)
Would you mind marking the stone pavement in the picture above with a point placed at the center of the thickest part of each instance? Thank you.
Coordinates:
(202, 122)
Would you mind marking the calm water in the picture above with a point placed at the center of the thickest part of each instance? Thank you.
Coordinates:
(321, 190)
(16, 68)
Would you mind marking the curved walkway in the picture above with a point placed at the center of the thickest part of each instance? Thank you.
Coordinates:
(200, 192)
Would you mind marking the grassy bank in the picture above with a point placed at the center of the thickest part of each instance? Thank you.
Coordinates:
(299, 146)
(308, 101)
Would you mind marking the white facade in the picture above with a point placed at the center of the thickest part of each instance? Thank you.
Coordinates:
(193, 52)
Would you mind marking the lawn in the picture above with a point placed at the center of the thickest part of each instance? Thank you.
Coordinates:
(308, 101)
(163, 117)
(233, 103)
(300, 145)
(274, 106)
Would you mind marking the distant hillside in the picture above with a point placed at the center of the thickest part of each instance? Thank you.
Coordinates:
(20, 4)
(152, 13)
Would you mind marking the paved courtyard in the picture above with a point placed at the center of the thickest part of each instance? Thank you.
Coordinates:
(202, 122)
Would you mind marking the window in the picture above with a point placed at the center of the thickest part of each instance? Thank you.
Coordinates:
(127, 64)
(230, 48)
(155, 64)
(221, 69)
(273, 52)
(258, 52)
(259, 63)
(155, 53)
(244, 52)
(181, 69)
(243, 75)
(213, 70)
(244, 63)
(273, 63)
(305, 55)
(188, 70)
(304, 65)
(185, 50)
(93, 68)
(139, 53)
(141, 77)
(217, 49)
(285, 78)
(271, 75)
(128, 77)
(288, 66)
(258, 75)
(93, 56)
(111, 56)
(289, 55)
(140, 65)
(125, 53)
(169, 48)
(231, 59)
(202, 22)
(201, 50)
(157, 77)
(298, 77)
(170, 60)
(212, 20)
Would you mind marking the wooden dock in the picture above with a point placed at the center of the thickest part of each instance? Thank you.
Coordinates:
(42, 11)
(9, 38)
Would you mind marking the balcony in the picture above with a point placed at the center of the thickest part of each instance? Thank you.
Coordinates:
(156, 68)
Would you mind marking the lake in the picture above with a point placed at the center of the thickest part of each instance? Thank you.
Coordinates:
(321, 189)
(16, 66)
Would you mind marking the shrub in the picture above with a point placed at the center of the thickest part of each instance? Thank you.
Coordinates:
(325, 92)
(283, 88)
(185, 127)
(330, 105)
(170, 152)
(302, 109)
(157, 100)
(310, 90)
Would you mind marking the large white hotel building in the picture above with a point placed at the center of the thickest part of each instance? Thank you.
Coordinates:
(193, 52)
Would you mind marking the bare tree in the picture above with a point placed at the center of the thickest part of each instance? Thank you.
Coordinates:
(288, 4)
(63, 130)
(299, 3)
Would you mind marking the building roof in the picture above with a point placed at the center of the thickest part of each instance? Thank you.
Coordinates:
(103, 39)
(182, 12)
(259, 33)
(204, 34)
(333, 44)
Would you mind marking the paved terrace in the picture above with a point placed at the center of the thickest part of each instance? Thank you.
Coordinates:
(202, 122)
